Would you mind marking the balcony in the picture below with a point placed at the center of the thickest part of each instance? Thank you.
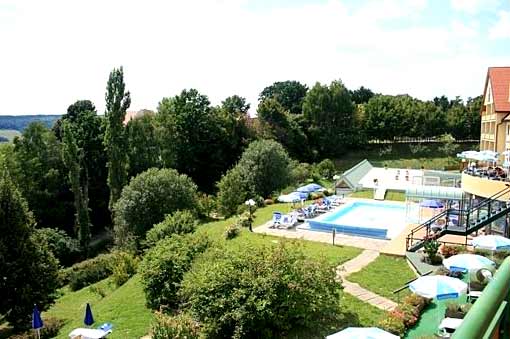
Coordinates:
(484, 184)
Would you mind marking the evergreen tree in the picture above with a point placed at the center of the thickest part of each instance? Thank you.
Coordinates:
(117, 102)
(28, 270)
(73, 157)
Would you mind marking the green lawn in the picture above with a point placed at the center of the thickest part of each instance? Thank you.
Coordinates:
(9, 133)
(390, 195)
(384, 275)
(124, 307)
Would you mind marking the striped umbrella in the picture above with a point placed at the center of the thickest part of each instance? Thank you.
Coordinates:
(468, 262)
(492, 242)
(438, 286)
(362, 333)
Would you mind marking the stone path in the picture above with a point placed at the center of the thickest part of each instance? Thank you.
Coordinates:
(355, 265)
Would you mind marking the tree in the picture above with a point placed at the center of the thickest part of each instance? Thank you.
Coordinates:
(235, 105)
(263, 168)
(361, 95)
(192, 137)
(147, 199)
(117, 102)
(261, 292)
(73, 157)
(143, 145)
(442, 102)
(180, 222)
(330, 113)
(21, 255)
(289, 94)
(41, 178)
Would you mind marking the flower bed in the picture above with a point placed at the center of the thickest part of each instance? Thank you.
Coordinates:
(405, 315)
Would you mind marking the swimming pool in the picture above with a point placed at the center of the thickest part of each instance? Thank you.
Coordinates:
(382, 220)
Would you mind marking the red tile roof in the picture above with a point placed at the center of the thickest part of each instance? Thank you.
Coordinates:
(500, 83)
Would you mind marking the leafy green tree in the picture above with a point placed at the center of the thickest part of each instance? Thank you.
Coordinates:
(41, 176)
(263, 168)
(147, 199)
(193, 138)
(164, 266)
(180, 222)
(144, 149)
(442, 102)
(63, 247)
(20, 256)
(72, 159)
(361, 95)
(261, 292)
(289, 94)
(330, 113)
(235, 105)
(117, 102)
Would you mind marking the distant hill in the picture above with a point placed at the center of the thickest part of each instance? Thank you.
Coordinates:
(20, 122)
(7, 135)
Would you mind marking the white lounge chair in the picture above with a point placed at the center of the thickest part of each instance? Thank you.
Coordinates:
(277, 219)
(88, 333)
(289, 220)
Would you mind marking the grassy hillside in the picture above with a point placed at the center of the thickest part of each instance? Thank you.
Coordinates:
(9, 133)
(19, 122)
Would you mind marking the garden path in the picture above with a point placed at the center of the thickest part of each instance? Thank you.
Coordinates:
(355, 265)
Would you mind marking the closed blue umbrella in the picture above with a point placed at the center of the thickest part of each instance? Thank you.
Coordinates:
(89, 319)
(37, 322)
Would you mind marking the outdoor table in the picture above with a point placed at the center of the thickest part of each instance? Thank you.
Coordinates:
(88, 333)
(450, 324)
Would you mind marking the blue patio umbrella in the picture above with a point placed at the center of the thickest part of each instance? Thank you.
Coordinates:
(468, 262)
(491, 242)
(438, 286)
(431, 204)
(37, 322)
(89, 319)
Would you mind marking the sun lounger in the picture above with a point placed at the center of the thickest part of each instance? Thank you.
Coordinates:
(89, 333)
(448, 326)
(277, 219)
(288, 220)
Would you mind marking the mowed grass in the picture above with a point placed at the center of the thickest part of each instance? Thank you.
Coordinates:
(390, 195)
(9, 133)
(124, 307)
(384, 275)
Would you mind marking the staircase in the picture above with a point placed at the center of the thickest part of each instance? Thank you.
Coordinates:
(459, 221)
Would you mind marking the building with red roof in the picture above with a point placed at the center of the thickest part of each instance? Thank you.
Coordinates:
(495, 128)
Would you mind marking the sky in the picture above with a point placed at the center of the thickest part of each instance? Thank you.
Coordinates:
(55, 52)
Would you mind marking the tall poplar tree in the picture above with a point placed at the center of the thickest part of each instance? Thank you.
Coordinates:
(117, 102)
(73, 157)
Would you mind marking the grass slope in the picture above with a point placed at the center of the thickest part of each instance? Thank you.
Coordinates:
(124, 307)
(390, 195)
(384, 275)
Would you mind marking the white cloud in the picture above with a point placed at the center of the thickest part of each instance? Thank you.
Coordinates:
(57, 51)
(473, 6)
(501, 29)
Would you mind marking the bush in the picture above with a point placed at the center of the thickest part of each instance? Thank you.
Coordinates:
(326, 168)
(416, 301)
(456, 310)
(206, 204)
(393, 324)
(63, 247)
(180, 222)
(261, 292)
(148, 198)
(268, 202)
(181, 326)
(232, 230)
(316, 195)
(431, 247)
(123, 267)
(233, 190)
(418, 148)
(88, 272)
(164, 265)
(448, 251)
(300, 172)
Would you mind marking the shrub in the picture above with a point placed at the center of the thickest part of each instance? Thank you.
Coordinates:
(148, 198)
(431, 247)
(385, 151)
(410, 314)
(268, 202)
(326, 168)
(63, 247)
(448, 251)
(164, 265)
(300, 172)
(260, 292)
(316, 195)
(233, 190)
(124, 267)
(206, 204)
(232, 230)
(456, 310)
(181, 326)
(180, 222)
(418, 148)
(416, 301)
(87, 272)
(393, 324)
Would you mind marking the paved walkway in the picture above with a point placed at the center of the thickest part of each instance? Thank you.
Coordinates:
(355, 265)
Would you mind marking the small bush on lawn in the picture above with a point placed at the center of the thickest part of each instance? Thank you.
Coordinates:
(405, 315)
(233, 229)
(261, 292)
(393, 324)
(164, 265)
(124, 267)
(268, 202)
(87, 272)
(180, 222)
(448, 251)
(181, 326)
(206, 204)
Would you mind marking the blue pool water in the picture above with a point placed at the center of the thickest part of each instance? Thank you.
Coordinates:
(364, 218)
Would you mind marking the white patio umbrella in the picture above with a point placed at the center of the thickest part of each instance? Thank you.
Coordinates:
(438, 286)
(491, 242)
(468, 262)
(362, 333)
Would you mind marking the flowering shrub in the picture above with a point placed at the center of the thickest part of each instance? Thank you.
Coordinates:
(405, 315)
